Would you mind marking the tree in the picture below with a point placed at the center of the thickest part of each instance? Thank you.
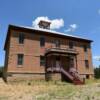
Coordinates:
(97, 72)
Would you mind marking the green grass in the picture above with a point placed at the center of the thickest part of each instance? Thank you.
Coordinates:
(91, 81)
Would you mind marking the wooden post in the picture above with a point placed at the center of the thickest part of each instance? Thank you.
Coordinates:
(76, 62)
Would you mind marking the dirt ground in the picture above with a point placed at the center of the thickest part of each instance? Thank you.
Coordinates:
(40, 90)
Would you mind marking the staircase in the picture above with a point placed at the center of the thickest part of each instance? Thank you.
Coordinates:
(74, 77)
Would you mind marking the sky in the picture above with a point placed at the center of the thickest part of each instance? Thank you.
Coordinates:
(76, 17)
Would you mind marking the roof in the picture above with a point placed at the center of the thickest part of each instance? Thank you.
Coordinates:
(47, 31)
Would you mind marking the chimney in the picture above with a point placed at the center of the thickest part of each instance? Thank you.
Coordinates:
(44, 24)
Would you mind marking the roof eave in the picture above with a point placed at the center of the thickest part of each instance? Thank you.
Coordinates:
(14, 26)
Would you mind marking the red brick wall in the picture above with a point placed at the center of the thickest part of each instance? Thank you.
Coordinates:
(32, 51)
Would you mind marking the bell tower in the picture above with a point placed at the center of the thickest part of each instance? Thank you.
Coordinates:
(44, 24)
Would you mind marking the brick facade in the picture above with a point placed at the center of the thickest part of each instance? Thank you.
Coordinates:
(32, 52)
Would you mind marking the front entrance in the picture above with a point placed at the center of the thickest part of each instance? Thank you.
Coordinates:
(57, 62)
(65, 62)
(60, 62)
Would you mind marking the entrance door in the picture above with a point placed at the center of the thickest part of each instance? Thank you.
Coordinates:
(57, 62)
(65, 63)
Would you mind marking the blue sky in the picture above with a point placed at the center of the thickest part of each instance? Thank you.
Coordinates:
(85, 14)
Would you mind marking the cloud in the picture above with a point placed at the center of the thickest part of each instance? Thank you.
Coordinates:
(96, 58)
(55, 23)
(99, 11)
(71, 28)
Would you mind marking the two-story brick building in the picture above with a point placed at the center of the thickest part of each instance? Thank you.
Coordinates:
(45, 54)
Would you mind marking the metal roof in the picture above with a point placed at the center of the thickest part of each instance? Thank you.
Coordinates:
(52, 32)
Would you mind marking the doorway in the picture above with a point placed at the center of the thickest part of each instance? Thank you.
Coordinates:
(58, 64)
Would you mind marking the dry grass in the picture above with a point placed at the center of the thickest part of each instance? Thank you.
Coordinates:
(41, 90)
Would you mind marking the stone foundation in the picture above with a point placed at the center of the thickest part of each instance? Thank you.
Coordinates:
(25, 76)
(53, 76)
(87, 76)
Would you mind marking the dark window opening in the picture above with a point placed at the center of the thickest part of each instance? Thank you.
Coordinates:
(21, 38)
(87, 77)
(42, 41)
(42, 61)
(20, 59)
(58, 58)
(57, 43)
(86, 63)
(71, 45)
(85, 48)
(71, 62)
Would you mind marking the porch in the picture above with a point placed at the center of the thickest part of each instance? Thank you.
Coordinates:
(57, 58)
(60, 62)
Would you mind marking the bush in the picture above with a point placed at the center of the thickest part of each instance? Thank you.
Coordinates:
(1, 71)
(97, 72)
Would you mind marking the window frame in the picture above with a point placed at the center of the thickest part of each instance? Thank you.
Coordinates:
(42, 41)
(20, 59)
(85, 48)
(42, 60)
(57, 43)
(21, 38)
(86, 63)
(71, 44)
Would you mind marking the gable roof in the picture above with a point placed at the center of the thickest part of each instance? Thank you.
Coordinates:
(45, 31)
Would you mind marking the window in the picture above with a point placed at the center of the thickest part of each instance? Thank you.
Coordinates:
(20, 59)
(42, 41)
(87, 77)
(42, 61)
(21, 38)
(71, 62)
(57, 43)
(86, 63)
(57, 58)
(85, 48)
(71, 44)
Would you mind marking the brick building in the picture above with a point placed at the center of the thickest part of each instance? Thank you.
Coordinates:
(45, 54)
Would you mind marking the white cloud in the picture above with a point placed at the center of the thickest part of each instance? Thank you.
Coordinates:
(96, 58)
(71, 28)
(55, 23)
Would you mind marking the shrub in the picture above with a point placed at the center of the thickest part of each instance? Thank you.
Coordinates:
(1, 71)
(97, 72)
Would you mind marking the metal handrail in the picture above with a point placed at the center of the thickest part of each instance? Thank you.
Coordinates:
(52, 69)
(75, 73)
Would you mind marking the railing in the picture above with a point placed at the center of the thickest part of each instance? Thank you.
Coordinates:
(59, 49)
(54, 69)
(59, 69)
(75, 74)
(67, 74)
